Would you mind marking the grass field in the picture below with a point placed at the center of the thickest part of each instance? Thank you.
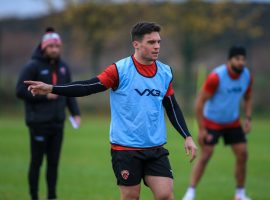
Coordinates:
(86, 173)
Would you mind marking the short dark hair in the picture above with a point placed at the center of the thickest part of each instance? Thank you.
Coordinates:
(142, 28)
(237, 50)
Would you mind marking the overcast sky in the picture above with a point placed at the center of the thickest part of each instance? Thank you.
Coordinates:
(26, 8)
(30, 8)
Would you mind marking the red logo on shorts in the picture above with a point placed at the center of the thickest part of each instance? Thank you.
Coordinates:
(125, 174)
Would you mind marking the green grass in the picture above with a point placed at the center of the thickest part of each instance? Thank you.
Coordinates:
(85, 171)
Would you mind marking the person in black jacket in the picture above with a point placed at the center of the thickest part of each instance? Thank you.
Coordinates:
(45, 114)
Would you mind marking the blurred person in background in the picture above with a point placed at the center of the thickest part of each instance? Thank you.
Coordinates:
(218, 115)
(141, 87)
(45, 114)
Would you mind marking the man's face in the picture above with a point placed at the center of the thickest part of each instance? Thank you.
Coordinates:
(148, 47)
(238, 62)
(52, 51)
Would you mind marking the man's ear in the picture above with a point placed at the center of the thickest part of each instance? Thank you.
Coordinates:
(136, 44)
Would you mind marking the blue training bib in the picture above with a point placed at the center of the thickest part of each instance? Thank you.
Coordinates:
(224, 106)
(137, 115)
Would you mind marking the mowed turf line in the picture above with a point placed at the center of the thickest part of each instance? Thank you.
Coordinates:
(86, 173)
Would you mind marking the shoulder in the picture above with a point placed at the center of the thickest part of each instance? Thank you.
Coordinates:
(220, 69)
(211, 83)
(31, 65)
(166, 68)
(247, 75)
(247, 71)
(163, 65)
(123, 62)
(123, 66)
(110, 71)
(212, 78)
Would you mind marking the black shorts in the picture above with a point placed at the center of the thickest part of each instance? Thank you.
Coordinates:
(230, 136)
(131, 166)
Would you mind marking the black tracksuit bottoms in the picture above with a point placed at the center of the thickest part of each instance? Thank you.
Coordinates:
(44, 142)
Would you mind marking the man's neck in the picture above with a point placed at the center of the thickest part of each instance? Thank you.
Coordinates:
(50, 60)
(141, 60)
(232, 73)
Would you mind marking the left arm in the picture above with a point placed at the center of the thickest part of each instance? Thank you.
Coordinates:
(248, 108)
(176, 117)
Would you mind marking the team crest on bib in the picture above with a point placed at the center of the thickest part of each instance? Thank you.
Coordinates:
(125, 174)
(63, 70)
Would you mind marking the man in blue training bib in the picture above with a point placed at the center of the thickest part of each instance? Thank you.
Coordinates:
(217, 110)
(141, 87)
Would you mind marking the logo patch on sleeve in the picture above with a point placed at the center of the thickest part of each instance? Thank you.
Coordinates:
(44, 72)
(63, 70)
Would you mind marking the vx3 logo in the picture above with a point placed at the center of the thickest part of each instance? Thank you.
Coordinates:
(234, 90)
(148, 92)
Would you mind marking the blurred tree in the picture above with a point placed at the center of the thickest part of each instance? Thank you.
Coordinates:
(194, 24)
(93, 25)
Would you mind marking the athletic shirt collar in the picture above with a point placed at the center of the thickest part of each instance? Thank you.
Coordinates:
(145, 70)
(231, 74)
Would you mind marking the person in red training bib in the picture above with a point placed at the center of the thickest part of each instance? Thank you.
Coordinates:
(140, 88)
(218, 115)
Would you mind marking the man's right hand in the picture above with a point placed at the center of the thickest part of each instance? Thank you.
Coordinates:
(37, 87)
(204, 136)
